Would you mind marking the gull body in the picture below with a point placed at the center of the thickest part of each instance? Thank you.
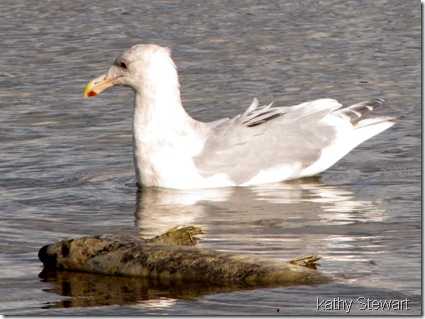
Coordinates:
(264, 144)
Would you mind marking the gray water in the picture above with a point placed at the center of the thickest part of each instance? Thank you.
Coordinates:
(66, 165)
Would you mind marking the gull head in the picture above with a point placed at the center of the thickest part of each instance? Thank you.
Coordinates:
(142, 67)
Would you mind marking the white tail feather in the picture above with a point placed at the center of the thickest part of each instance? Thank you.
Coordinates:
(331, 154)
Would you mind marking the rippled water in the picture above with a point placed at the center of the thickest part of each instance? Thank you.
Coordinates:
(66, 166)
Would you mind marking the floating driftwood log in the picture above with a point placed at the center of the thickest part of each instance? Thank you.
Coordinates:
(173, 257)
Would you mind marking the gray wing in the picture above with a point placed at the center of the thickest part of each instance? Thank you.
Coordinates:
(266, 137)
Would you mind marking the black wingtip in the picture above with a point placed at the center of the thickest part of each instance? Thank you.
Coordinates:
(379, 100)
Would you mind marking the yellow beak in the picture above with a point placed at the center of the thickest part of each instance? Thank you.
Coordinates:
(94, 87)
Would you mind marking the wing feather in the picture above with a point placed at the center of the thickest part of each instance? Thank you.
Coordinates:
(266, 137)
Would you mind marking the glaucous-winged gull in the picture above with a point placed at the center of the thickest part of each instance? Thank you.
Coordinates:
(264, 144)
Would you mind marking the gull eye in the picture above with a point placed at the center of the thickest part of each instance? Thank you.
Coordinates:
(121, 63)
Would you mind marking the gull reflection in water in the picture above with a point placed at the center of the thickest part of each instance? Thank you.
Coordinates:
(303, 202)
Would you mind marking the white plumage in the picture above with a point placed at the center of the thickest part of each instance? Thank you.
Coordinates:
(262, 145)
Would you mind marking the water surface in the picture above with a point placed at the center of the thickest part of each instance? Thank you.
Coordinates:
(66, 165)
